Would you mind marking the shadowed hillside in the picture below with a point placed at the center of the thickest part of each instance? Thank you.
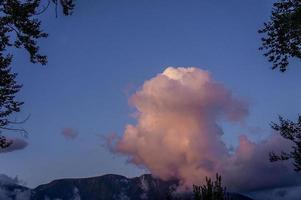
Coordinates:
(106, 187)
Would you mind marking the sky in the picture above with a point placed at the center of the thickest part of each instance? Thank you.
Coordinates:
(106, 51)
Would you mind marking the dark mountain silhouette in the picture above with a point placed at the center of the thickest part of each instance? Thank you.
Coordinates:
(107, 187)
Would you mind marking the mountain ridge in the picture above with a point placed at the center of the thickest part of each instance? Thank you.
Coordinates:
(105, 187)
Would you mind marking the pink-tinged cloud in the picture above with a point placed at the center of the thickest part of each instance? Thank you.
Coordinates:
(249, 167)
(177, 134)
(69, 133)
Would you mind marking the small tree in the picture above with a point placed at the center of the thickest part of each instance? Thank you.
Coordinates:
(291, 131)
(211, 190)
(197, 192)
(169, 196)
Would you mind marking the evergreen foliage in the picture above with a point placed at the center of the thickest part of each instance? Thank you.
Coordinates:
(211, 190)
(282, 34)
(20, 27)
(291, 131)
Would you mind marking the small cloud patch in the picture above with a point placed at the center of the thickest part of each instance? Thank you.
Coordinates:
(69, 133)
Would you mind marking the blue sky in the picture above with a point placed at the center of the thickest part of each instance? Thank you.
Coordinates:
(107, 49)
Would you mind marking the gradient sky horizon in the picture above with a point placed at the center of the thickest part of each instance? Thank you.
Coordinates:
(107, 49)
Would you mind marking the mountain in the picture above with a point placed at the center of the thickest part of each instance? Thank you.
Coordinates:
(107, 187)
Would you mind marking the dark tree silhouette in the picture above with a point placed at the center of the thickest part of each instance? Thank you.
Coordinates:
(282, 34)
(4, 142)
(211, 190)
(282, 41)
(291, 131)
(169, 196)
(20, 27)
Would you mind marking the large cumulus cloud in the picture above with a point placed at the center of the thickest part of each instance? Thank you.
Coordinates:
(177, 133)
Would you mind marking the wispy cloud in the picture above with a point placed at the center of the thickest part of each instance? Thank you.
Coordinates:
(17, 144)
